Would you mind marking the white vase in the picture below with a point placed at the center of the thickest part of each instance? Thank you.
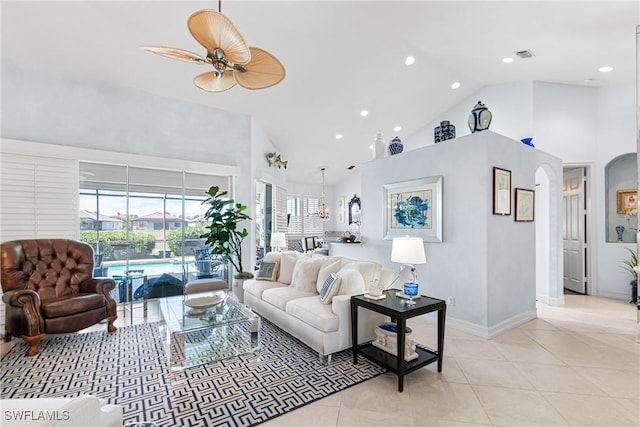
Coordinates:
(238, 289)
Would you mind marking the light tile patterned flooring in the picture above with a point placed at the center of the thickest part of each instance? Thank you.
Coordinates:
(575, 365)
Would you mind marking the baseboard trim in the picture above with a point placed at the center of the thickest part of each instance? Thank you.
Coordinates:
(495, 330)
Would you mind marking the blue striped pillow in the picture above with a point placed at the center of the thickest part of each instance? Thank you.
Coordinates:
(329, 288)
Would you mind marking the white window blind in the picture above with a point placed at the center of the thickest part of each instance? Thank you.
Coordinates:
(280, 210)
(38, 198)
(303, 220)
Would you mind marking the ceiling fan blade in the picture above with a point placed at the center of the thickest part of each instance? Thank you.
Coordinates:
(209, 82)
(175, 53)
(263, 71)
(214, 30)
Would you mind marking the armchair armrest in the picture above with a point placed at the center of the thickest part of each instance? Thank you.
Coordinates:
(98, 286)
(21, 297)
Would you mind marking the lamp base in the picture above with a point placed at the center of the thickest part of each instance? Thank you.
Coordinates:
(400, 294)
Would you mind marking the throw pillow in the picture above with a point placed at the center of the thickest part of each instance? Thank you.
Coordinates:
(330, 288)
(287, 263)
(305, 274)
(352, 281)
(328, 267)
(268, 271)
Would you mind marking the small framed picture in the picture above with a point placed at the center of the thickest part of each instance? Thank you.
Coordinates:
(501, 191)
(524, 205)
(627, 201)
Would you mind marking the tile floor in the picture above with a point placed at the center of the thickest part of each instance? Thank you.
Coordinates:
(576, 365)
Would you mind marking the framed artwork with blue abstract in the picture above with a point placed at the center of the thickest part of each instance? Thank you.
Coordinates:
(414, 208)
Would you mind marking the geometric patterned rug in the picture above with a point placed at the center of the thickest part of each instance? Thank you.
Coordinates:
(130, 368)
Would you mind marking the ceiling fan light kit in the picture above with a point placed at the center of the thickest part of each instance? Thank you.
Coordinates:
(232, 60)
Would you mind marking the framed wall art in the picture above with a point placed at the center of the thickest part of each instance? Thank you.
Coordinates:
(340, 210)
(524, 205)
(627, 201)
(414, 208)
(501, 191)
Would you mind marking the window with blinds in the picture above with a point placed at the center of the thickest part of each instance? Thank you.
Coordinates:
(281, 210)
(303, 220)
(38, 198)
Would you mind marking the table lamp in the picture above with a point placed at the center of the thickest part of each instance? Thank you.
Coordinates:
(278, 241)
(409, 251)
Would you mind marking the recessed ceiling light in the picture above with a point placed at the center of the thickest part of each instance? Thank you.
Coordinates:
(397, 128)
(455, 85)
(338, 136)
(364, 113)
(507, 60)
(409, 60)
(371, 147)
(605, 69)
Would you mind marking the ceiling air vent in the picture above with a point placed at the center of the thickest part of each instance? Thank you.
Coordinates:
(524, 54)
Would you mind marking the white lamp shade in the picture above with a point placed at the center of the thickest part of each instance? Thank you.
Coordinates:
(278, 240)
(408, 250)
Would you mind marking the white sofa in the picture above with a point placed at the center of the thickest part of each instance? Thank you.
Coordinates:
(79, 411)
(292, 299)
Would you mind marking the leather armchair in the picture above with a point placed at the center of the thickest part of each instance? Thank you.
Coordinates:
(48, 287)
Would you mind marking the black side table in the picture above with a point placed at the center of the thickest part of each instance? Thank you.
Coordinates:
(399, 310)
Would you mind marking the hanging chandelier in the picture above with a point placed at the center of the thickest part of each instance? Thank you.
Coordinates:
(323, 212)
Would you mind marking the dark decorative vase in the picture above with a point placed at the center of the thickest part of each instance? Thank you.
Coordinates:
(396, 146)
(620, 231)
(480, 118)
(527, 141)
(634, 291)
(443, 132)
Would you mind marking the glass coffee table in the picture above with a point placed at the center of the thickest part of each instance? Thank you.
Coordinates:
(207, 334)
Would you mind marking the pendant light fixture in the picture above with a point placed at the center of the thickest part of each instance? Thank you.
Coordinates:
(323, 212)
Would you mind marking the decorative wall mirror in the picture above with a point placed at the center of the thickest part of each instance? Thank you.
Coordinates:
(354, 210)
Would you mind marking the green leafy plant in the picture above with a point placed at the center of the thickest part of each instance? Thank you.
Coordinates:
(224, 237)
(631, 263)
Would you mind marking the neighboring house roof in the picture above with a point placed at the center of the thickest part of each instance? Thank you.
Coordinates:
(157, 216)
(92, 215)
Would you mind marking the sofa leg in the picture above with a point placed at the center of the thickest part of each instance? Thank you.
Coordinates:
(325, 359)
(7, 336)
(110, 327)
(33, 344)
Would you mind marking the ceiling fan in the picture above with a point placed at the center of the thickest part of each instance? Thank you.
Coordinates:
(232, 60)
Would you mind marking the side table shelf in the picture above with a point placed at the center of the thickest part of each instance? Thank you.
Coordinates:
(399, 310)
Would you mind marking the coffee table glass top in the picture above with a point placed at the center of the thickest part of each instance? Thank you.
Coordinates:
(207, 334)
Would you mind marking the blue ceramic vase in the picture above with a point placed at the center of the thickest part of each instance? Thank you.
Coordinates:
(396, 146)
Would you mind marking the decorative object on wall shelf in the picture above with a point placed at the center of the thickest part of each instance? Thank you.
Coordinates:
(443, 132)
(396, 146)
(627, 201)
(379, 148)
(527, 141)
(525, 205)
(274, 159)
(620, 232)
(480, 118)
(501, 191)
(414, 208)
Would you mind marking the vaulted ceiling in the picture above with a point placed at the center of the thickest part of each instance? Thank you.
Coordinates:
(340, 56)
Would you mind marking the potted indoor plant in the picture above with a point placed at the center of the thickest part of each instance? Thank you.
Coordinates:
(224, 236)
(631, 265)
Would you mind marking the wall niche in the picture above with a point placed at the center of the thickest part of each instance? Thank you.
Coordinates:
(621, 184)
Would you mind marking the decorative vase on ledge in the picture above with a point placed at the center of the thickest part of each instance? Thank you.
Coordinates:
(620, 231)
(396, 146)
(480, 118)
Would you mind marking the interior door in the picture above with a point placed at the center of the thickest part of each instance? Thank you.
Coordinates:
(574, 234)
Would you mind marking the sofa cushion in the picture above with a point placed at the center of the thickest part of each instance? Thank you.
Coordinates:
(305, 273)
(330, 287)
(287, 263)
(330, 265)
(256, 288)
(352, 280)
(279, 297)
(314, 313)
(272, 257)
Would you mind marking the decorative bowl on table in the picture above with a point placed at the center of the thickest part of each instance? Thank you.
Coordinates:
(201, 304)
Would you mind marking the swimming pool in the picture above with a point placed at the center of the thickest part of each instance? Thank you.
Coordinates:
(151, 268)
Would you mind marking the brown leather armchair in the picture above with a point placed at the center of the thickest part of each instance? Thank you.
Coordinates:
(48, 288)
